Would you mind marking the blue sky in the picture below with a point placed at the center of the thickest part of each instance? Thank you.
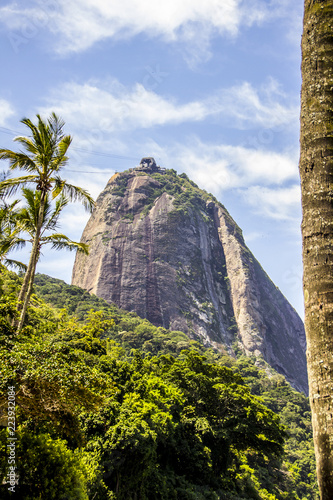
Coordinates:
(210, 88)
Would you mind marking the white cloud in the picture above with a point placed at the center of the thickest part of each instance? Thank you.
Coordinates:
(263, 107)
(253, 236)
(109, 107)
(102, 112)
(221, 167)
(116, 108)
(6, 110)
(278, 203)
(80, 24)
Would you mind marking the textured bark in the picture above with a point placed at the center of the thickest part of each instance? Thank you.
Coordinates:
(316, 171)
(187, 270)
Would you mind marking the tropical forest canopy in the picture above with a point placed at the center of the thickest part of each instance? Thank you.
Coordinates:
(110, 406)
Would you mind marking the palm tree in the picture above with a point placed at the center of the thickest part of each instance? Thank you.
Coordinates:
(28, 219)
(316, 172)
(43, 158)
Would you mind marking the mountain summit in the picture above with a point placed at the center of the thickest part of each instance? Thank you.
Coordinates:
(169, 251)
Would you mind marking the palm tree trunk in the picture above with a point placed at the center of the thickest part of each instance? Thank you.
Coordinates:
(26, 281)
(28, 293)
(316, 171)
(26, 289)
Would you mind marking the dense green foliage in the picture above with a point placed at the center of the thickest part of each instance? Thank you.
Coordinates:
(186, 194)
(110, 407)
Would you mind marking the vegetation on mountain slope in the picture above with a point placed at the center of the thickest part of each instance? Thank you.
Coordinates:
(109, 406)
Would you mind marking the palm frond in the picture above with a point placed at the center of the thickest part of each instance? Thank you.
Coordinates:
(58, 186)
(32, 198)
(11, 186)
(64, 144)
(9, 243)
(28, 144)
(27, 221)
(75, 193)
(18, 244)
(28, 216)
(49, 141)
(4, 175)
(60, 159)
(15, 263)
(29, 124)
(56, 125)
(8, 212)
(35, 132)
(18, 160)
(13, 205)
(10, 228)
(42, 142)
(62, 242)
(52, 221)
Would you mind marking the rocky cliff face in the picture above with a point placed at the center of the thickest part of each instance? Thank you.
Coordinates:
(169, 251)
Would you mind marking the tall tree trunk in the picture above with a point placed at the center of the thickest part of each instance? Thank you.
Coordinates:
(26, 279)
(28, 292)
(316, 171)
(26, 289)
